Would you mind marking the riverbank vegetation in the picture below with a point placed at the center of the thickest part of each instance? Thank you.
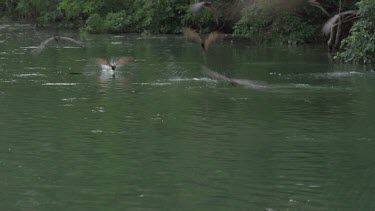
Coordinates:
(270, 21)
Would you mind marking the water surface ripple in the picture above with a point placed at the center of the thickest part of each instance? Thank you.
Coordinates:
(162, 135)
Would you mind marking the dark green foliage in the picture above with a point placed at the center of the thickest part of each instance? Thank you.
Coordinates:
(255, 23)
(359, 46)
(95, 24)
(276, 21)
(291, 29)
(204, 21)
(7, 7)
(295, 23)
(162, 16)
(42, 12)
(115, 22)
(262, 22)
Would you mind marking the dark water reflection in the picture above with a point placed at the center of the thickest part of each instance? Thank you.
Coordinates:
(161, 135)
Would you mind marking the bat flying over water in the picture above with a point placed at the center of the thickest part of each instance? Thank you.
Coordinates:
(57, 39)
(112, 64)
(242, 82)
(193, 36)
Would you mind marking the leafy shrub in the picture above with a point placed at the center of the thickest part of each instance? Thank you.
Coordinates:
(74, 8)
(49, 17)
(115, 22)
(255, 22)
(170, 15)
(163, 16)
(263, 23)
(359, 46)
(291, 29)
(95, 24)
(203, 20)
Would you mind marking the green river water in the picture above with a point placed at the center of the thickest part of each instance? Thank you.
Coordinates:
(163, 135)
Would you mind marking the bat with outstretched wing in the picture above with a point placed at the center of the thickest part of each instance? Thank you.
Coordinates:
(57, 39)
(113, 63)
(124, 60)
(101, 61)
(212, 37)
(71, 40)
(193, 36)
(242, 82)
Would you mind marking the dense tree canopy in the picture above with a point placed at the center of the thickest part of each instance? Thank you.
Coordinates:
(276, 21)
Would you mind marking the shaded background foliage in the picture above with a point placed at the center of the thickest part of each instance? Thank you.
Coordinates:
(273, 21)
(359, 46)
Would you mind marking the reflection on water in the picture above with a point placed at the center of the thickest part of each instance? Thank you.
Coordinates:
(162, 135)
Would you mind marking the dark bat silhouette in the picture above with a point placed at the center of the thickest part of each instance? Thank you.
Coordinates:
(242, 82)
(193, 36)
(114, 63)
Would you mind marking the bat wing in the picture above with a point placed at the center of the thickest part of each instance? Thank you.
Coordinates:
(315, 3)
(45, 42)
(213, 37)
(250, 83)
(215, 75)
(332, 21)
(243, 82)
(191, 35)
(101, 61)
(124, 60)
(43, 45)
(72, 40)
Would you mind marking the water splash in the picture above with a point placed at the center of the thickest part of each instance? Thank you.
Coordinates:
(60, 84)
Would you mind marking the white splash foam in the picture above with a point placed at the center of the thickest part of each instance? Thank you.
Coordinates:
(59, 84)
(7, 81)
(239, 98)
(336, 74)
(34, 68)
(274, 73)
(302, 85)
(29, 47)
(97, 131)
(70, 47)
(193, 79)
(27, 75)
(153, 84)
(69, 99)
